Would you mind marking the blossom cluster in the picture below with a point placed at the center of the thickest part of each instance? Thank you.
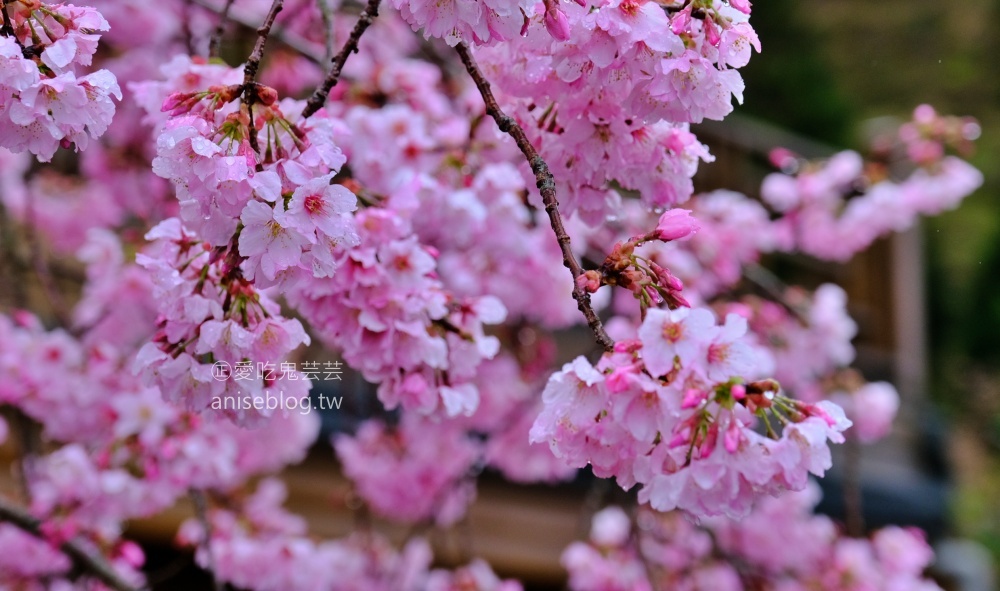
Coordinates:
(244, 545)
(217, 224)
(810, 336)
(120, 451)
(838, 208)
(44, 102)
(607, 89)
(409, 481)
(424, 470)
(209, 317)
(397, 324)
(674, 410)
(781, 545)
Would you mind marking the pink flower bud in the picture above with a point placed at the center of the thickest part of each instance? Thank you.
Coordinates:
(556, 23)
(692, 398)
(712, 33)
(589, 281)
(131, 554)
(741, 5)
(676, 224)
(682, 437)
(266, 95)
(681, 21)
(175, 103)
(733, 436)
(666, 279)
(708, 442)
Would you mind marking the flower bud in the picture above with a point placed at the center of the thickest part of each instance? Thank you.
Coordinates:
(676, 224)
(556, 23)
(741, 5)
(590, 281)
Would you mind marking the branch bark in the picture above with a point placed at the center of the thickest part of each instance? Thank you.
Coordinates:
(253, 62)
(250, 71)
(546, 185)
(318, 98)
(94, 565)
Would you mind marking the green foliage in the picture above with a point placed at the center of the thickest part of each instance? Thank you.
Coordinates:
(789, 83)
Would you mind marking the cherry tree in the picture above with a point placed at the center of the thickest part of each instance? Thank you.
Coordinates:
(430, 189)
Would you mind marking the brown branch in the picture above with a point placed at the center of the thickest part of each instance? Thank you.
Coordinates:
(250, 89)
(318, 98)
(854, 514)
(39, 262)
(201, 511)
(326, 12)
(95, 565)
(775, 289)
(635, 538)
(253, 62)
(296, 43)
(546, 185)
(11, 262)
(220, 29)
(7, 29)
(188, 32)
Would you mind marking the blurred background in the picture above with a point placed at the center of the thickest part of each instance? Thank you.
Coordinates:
(827, 70)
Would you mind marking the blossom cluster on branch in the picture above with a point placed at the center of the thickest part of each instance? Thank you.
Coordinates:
(419, 221)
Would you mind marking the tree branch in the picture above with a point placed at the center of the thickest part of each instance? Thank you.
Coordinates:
(253, 62)
(546, 185)
(318, 98)
(201, 511)
(220, 28)
(86, 561)
(250, 70)
(775, 289)
(326, 12)
(7, 28)
(854, 514)
(294, 42)
(59, 308)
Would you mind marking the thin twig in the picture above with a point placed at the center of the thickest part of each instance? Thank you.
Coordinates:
(854, 514)
(11, 261)
(253, 64)
(318, 98)
(188, 31)
(201, 511)
(774, 288)
(59, 308)
(326, 12)
(220, 29)
(29, 440)
(95, 565)
(7, 29)
(296, 43)
(546, 185)
(635, 537)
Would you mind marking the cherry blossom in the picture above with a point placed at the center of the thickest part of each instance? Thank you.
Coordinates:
(220, 221)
